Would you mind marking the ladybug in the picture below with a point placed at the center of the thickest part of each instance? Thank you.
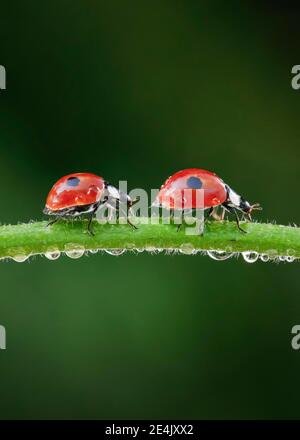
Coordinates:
(80, 194)
(216, 193)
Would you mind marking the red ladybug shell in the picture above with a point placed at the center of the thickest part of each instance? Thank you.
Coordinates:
(172, 195)
(76, 189)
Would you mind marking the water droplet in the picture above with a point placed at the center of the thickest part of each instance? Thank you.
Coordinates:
(264, 257)
(150, 248)
(187, 249)
(219, 255)
(250, 257)
(273, 254)
(115, 252)
(139, 250)
(130, 246)
(52, 254)
(291, 256)
(282, 258)
(20, 258)
(170, 251)
(94, 251)
(74, 250)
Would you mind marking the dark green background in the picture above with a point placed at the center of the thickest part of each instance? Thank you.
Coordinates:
(137, 90)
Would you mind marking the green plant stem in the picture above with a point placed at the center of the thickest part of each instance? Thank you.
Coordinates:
(36, 238)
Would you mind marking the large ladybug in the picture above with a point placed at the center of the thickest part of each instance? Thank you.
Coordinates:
(216, 193)
(82, 193)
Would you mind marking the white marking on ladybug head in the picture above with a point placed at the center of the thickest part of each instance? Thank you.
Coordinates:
(233, 198)
(113, 192)
(238, 202)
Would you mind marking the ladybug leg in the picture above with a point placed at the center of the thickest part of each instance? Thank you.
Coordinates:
(238, 221)
(122, 211)
(171, 215)
(243, 216)
(233, 211)
(90, 222)
(215, 215)
(89, 226)
(131, 224)
(51, 222)
(177, 218)
(130, 212)
(210, 211)
(223, 213)
(178, 227)
(128, 221)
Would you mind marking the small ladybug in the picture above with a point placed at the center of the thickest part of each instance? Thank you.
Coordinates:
(216, 193)
(82, 193)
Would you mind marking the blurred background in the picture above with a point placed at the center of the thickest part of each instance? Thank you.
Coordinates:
(136, 90)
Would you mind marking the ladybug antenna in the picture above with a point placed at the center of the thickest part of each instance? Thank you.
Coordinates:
(134, 201)
(254, 207)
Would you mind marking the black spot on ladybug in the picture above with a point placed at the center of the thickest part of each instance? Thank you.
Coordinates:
(194, 182)
(73, 181)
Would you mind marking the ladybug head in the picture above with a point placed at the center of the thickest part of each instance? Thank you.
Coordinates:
(238, 202)
(120, 196)
(247, 208)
